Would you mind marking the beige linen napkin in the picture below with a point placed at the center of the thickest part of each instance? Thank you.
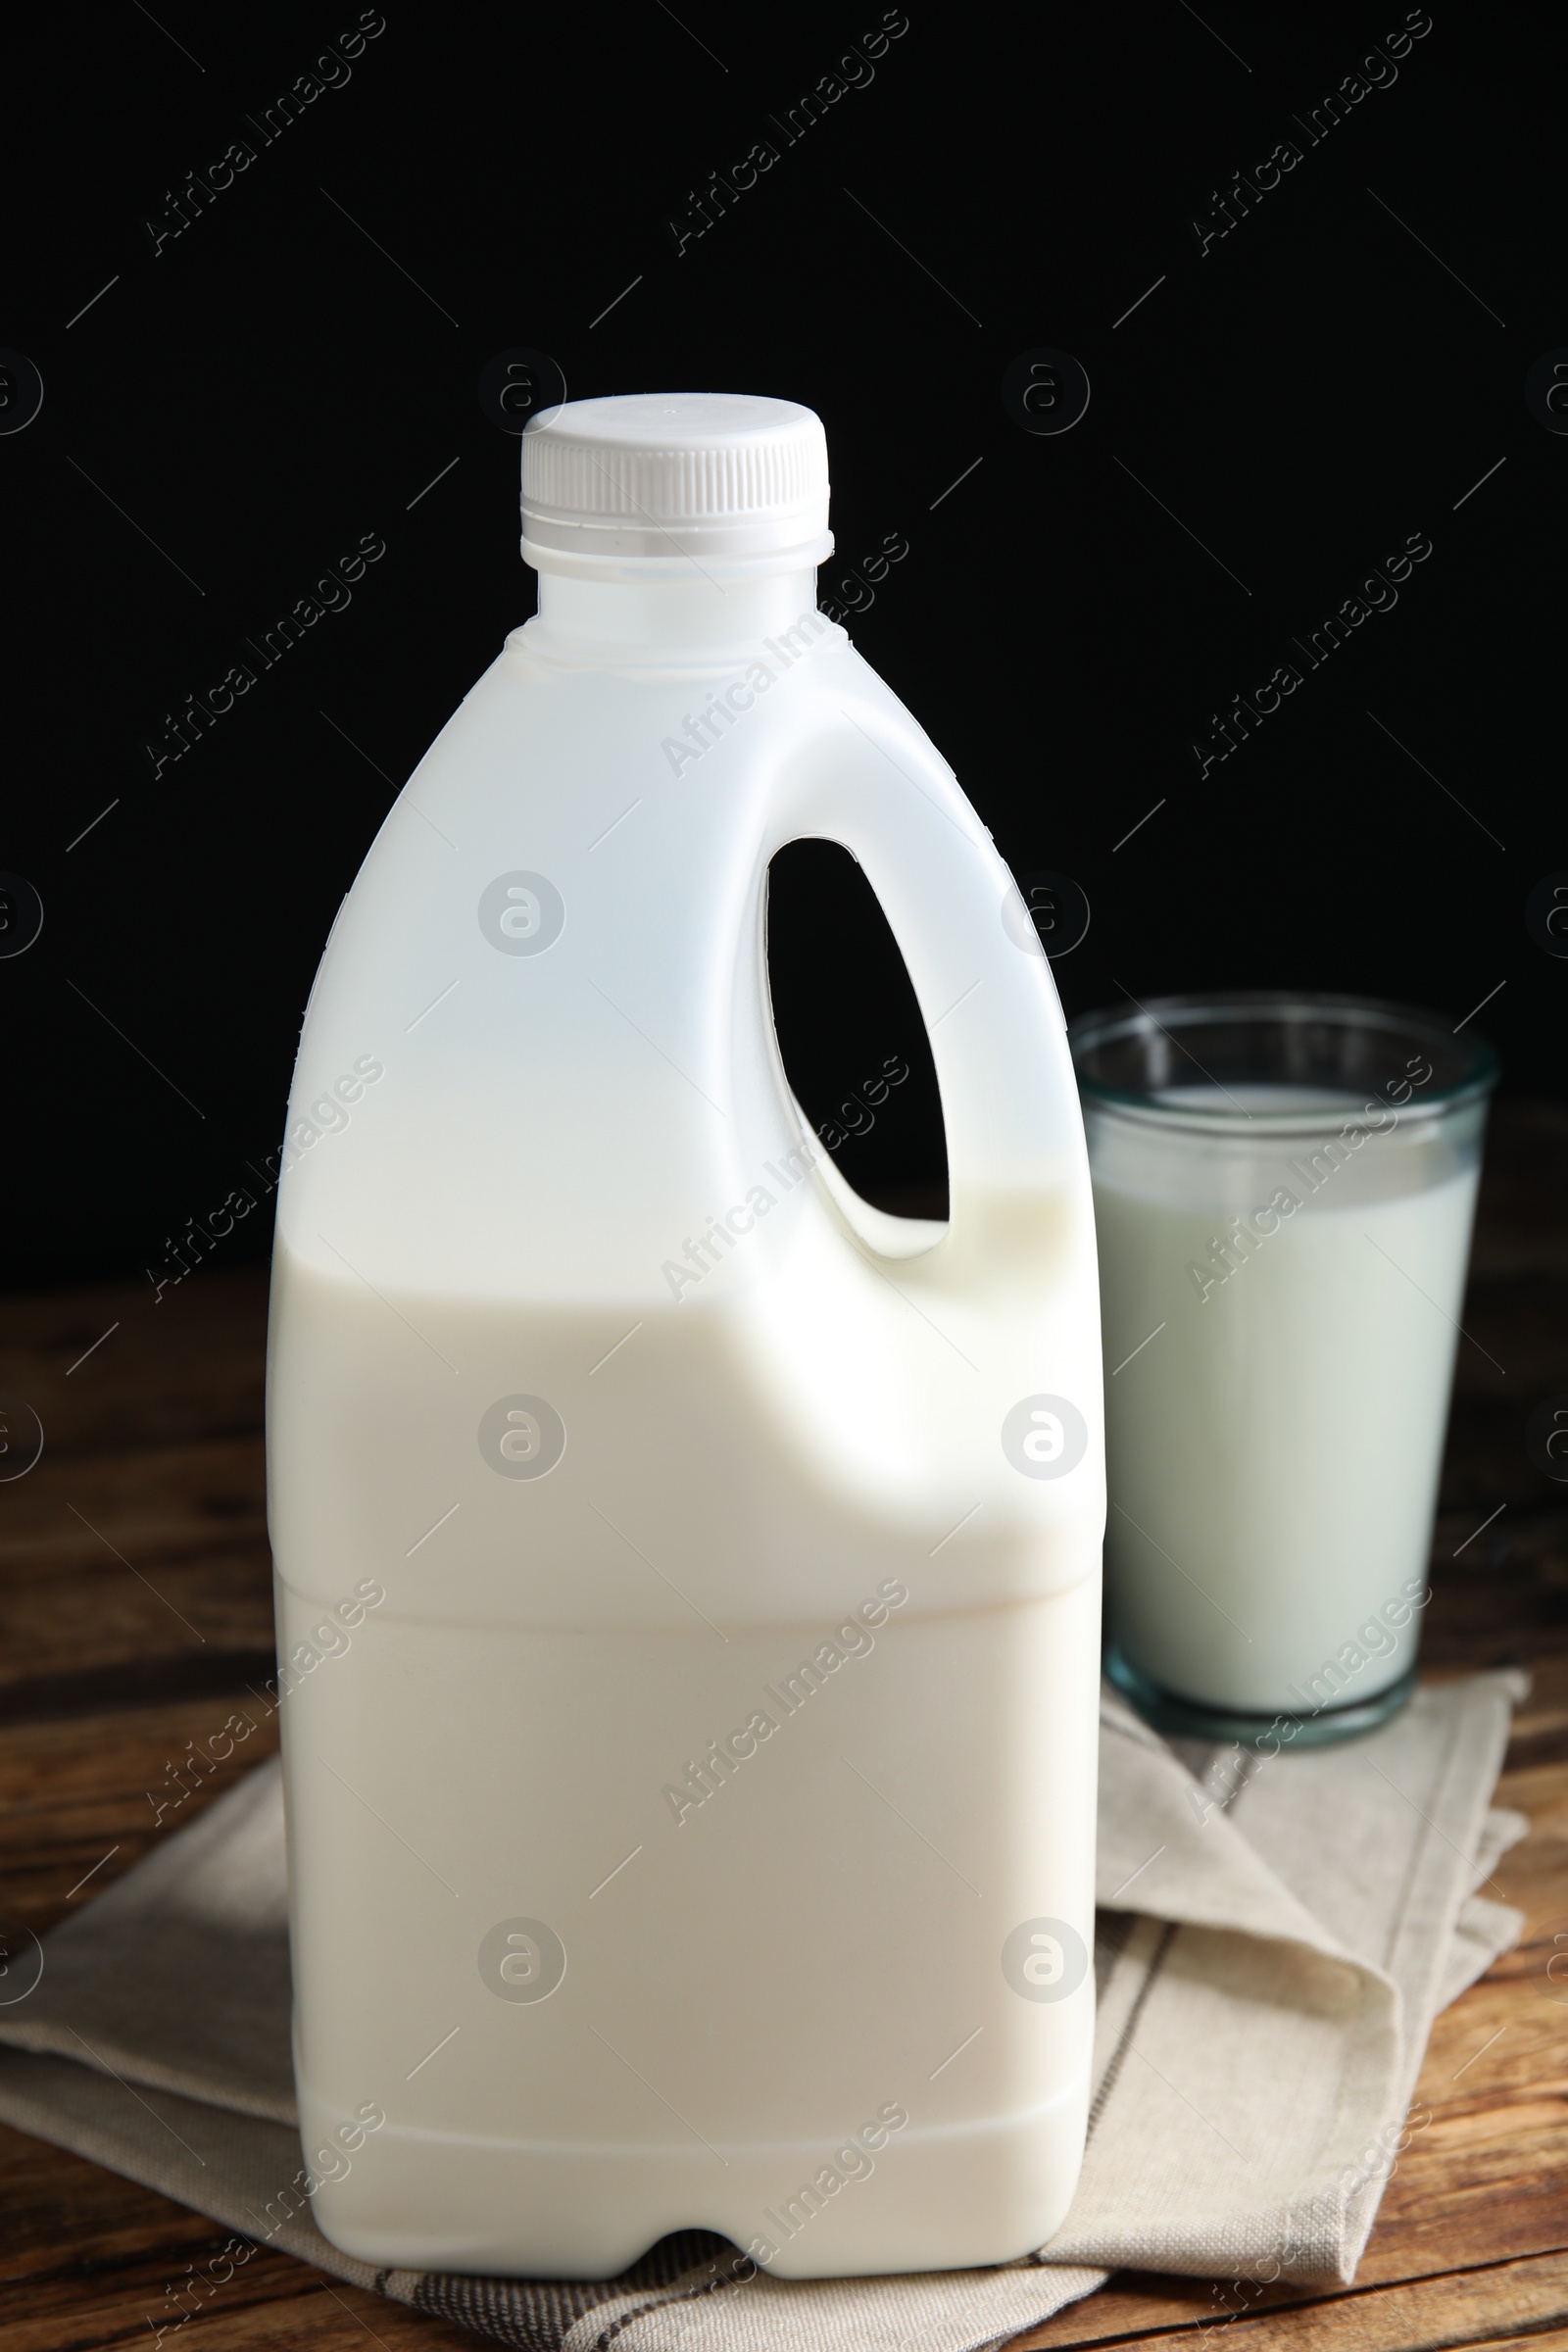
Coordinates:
(1275, 1938)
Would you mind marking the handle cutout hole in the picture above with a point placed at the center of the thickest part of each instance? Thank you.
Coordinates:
(849, 1027)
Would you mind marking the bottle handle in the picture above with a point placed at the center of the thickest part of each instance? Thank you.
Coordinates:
(874, 784)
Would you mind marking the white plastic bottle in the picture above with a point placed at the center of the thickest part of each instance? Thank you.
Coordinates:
(688, 1577)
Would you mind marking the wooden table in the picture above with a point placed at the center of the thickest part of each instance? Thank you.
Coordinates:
(136, 1608)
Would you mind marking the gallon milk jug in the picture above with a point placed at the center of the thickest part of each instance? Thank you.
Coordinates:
(688, 1576)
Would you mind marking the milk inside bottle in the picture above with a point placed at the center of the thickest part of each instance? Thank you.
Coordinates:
(687, 1575)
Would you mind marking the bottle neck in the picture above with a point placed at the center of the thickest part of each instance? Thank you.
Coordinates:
(670, 618)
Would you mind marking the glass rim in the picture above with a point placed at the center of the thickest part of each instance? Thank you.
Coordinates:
(1285, 1009)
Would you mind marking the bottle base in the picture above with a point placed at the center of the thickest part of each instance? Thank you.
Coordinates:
(944, 2199)
(1267, 1733)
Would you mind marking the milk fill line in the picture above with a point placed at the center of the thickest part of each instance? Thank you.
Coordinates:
(388, 1303)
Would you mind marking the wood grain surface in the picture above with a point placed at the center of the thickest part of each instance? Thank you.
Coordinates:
(135, 1617)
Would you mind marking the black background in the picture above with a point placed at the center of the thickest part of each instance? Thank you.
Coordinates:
(280, 378)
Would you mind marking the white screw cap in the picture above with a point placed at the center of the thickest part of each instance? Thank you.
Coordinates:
(676, 479)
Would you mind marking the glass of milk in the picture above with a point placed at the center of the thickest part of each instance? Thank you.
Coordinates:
(1284, 1186)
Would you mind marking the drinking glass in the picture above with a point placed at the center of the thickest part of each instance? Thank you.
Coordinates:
(1284, 1187)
